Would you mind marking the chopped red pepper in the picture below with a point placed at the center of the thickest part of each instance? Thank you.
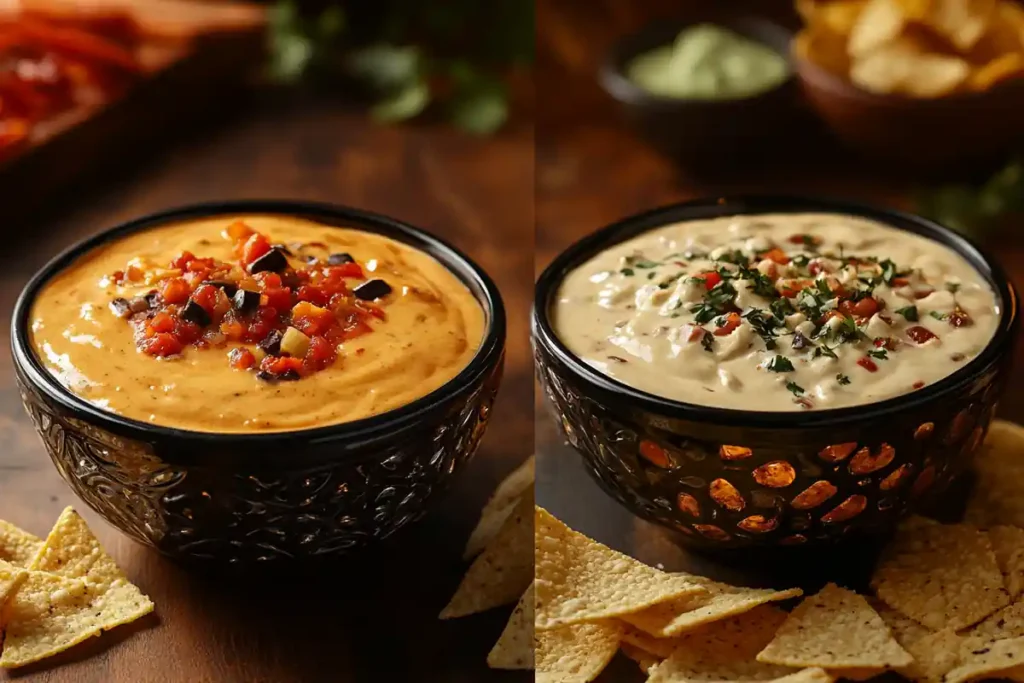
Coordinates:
(241, 359)
(960, 318)
(162, 344)
(732, 321)
(257, 245)
(710, 279)
(776, 255)
(867, 364)
(174, 291)
(920, 335)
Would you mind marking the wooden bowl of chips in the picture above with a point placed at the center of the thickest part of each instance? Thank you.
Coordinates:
(736, 479)
(928, 91)
(264, 498)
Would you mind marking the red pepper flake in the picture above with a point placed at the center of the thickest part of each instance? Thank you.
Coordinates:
(920, 335)
(918, 384)
(867, 364)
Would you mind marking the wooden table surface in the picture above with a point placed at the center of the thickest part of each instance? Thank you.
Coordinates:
(592, 170)
(374, 619)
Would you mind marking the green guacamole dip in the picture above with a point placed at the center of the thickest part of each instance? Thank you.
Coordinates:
(708, 62)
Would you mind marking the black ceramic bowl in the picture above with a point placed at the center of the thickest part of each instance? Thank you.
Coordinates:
(705, 133)
(261, 498)
(799, 476)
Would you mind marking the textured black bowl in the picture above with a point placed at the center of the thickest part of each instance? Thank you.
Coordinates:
(706, 134)
(740, 479)
(233, 499)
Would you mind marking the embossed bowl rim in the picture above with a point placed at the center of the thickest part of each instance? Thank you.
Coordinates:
(351, 434)
(603, 388)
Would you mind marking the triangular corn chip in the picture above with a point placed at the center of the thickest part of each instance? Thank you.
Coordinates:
(499, 507)
(18, 546)
(514, 649)
(577, 653)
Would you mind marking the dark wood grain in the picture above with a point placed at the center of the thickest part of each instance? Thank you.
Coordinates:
(592, 170)
(372, 618)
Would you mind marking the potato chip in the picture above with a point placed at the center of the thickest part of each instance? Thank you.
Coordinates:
(514, 649)
(577, 653)
(503, 571)
(727, 650)
(998, 494)
(943, 576)
(835, 630)
(1004, 68)
(499, 507)
(1008, 546)
(900, 67)
(18, 546)
(644, 659)
(879, 23)
(50, 613)
(579, 579)
(721, 601)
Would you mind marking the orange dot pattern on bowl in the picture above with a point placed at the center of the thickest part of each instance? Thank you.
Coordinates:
(866, 462)
(847, 510)
(712, 532)
(758, 524)
(654, 454)
(924, 431)
(897, 477)
(777, 474)
(837, 452)
(734, 452)
(814, 495)
(688, 504)
(727, 495)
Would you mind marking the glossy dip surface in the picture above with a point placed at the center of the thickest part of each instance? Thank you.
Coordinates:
(433, 328)
(776, 312)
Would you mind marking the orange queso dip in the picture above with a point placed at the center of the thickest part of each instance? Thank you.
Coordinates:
(254, 324)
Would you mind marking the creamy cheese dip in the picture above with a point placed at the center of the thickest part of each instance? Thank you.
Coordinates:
(432, 330)
(776, 312)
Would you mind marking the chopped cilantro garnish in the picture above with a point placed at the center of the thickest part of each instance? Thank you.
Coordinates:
(781, 307)
(707, 341)
(909, 313)
(823, 288)
(880, 354)
(646, 264)
(735, 256)
(760, 283)
(824, 350)
(669, 281)
(780, 364)
(765, 326)
(795, 388)
(952, 287)
(938, 316)
(842, 379)
(800, 260)
(651, 275)
(628, 272)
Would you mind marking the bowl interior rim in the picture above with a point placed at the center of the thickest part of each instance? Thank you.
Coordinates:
(578, 252)
(483, 288)
(753, 26)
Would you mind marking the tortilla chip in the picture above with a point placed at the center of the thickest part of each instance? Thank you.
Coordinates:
(998, 493)
(50, 613)
(878, 23)
(503, 571)
(1008, 546)
(514, 649)
(72, 551)
(726, 651)
(579, 579)
(721, 601)
(499, 507)
(993, 661)
(835, 630)
(1005, 624)
(11, 578)
(18, 546)
(576, 653)
(644, 659)
(656, 647)
(943, 576)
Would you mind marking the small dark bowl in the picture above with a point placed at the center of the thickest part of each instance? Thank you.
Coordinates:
(231, 499)
(704, 133)
(954, 135)
(794, 488)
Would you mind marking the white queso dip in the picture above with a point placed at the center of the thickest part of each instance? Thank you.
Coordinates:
(776, 312)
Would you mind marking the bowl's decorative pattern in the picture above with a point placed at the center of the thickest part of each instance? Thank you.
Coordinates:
(243, 515)
(728, 486)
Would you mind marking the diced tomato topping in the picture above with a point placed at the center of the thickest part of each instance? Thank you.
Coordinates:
(900, 282)
(865, 308)
(206, 296)
(920, 335)
(776, 255)
(312, 320)
(815, 267)
(960, 318)
(257, 245)
(278, 298)
(233, 330)
(320, 354)
(693, 333)
(314, 295)
(710, 279)
(186, 332)
(278, 365)
(732, 321)
(162, 344)
(262, 323)
(239, 231)
(351, 270)
(174, 291)
(887, 343)
(182, 260)
(267, 280)
(241, 359)
(790, 288)
(867, 364)
(161, 323)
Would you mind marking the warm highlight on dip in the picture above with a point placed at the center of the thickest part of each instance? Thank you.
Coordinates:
(429, 328)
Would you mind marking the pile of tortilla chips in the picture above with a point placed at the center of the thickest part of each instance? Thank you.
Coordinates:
(502, 572)
(59, 592)
(916, 48)
(947, 604)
